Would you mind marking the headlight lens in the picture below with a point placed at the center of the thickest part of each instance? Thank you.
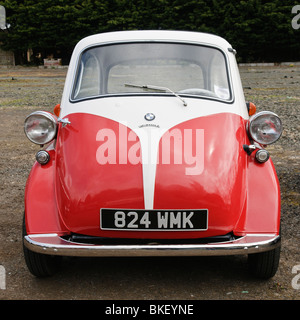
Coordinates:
(40, 127)
(265, 127)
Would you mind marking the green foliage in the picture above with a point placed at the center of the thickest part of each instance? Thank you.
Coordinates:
(260, 30)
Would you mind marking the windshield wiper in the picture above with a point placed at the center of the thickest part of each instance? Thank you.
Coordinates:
(155, 88)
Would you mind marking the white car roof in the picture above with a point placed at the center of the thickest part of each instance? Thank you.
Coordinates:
(237, 106)
(152, 35)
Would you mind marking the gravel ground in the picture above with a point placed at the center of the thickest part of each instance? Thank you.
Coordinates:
(23, 90)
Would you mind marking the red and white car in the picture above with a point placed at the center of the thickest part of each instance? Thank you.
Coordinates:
(153, 151)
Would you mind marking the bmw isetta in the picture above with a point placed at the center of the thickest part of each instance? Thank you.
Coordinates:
(152, 151)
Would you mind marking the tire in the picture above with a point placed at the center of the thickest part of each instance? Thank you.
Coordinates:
(40, 265)
(264, 265)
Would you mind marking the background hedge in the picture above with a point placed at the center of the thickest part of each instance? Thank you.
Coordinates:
(260, 30)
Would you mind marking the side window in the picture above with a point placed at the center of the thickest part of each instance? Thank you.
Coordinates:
(218, 76)
(88, 78)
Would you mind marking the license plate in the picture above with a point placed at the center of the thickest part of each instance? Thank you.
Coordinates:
(153, 220)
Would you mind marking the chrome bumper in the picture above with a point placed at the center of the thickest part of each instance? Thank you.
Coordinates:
(52, 244)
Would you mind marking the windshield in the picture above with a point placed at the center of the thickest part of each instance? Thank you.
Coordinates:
(188, 70)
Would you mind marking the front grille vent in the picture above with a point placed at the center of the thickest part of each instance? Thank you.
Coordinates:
(79, 238)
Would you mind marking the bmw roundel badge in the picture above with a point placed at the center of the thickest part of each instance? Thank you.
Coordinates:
(149, 116)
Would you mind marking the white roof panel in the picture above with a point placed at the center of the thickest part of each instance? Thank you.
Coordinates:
(152, 35)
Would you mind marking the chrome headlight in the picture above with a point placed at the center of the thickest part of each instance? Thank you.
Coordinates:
(265, 127)
(40, 127)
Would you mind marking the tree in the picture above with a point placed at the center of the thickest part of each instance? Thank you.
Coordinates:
(48, 26)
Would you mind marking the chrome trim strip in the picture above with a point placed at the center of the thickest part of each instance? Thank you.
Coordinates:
(52, 244)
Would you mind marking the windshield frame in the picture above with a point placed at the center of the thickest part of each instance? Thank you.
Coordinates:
(143, 93)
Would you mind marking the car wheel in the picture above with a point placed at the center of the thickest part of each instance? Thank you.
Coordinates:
(264, 264)
(40, 265)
